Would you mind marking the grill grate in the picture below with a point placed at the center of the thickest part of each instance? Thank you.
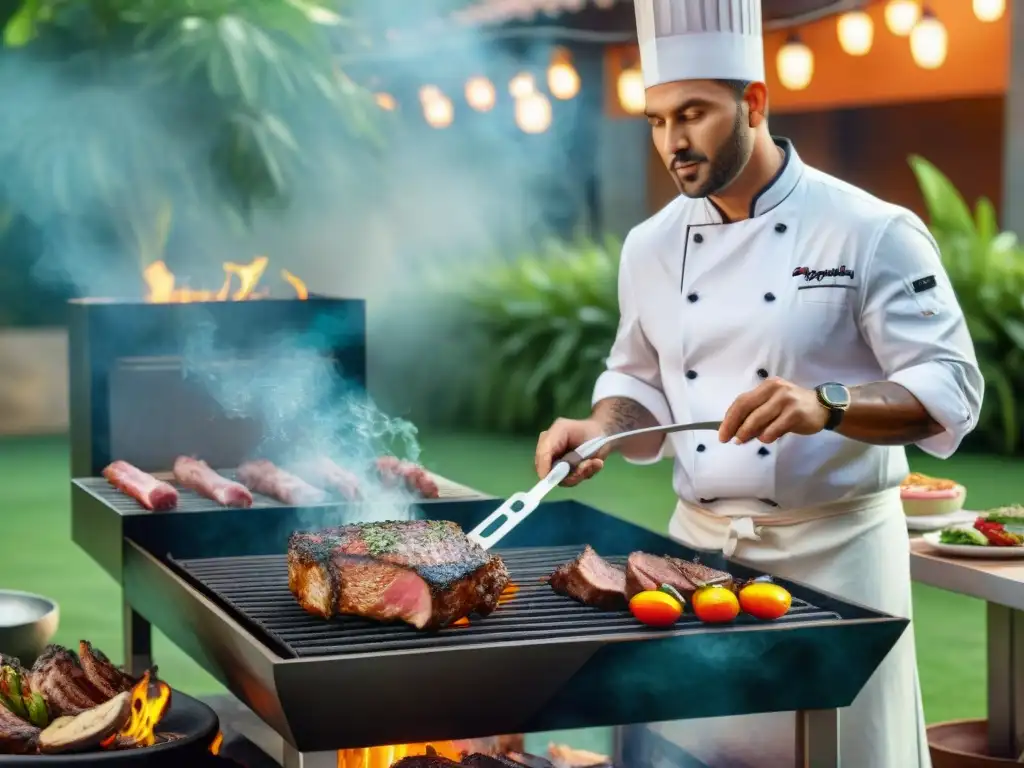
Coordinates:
(255, 590)
(190, 501)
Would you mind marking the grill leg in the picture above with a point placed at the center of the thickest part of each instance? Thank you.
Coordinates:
(1005, 681)
(295, 759)
(138, 642)
(817, 738)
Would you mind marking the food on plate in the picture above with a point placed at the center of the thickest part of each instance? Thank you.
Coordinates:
(197, 475)
(1011, 516)
(105, 677)
(265, 477)
(765, 600)
(60, 678)
(393, 471)
(715, 604)
(591, 580)
(962, 535)
(996, 533)
(153, 494)
(646, 572)
(997, 528)
(924, 495)
(427, 573)
(18, 698)
(323, 473)
(88, 729)
(17, 736)
(656, 608)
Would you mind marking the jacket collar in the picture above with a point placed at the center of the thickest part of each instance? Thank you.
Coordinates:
(774, 192)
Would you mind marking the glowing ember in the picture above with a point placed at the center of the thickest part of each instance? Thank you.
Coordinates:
(385, 757)
(150, 701)
(215, 745)
(160, 282)
(506, 596)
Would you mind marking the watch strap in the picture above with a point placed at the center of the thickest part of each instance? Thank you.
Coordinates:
(835, 413)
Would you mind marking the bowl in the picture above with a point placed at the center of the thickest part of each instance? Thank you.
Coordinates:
(933, 503)
(962, 744)
(27, 623)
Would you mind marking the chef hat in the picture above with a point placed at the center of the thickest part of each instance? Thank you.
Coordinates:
(700, 39)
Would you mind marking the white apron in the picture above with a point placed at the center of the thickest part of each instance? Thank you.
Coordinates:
(857, 550)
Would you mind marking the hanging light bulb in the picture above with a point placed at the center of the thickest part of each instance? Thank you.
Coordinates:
(563, 79)
(429, 93)
(385, 101)
(480, 94)
(989, 10)
(521, 85)
(630, 87)
(856, 32)
(438, 111)
(901, 16)
(929, 42)
(533, 113)
(795, 64)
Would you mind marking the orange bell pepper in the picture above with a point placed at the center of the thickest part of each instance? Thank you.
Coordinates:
(765, 600)
(715, 604)
(655, 608)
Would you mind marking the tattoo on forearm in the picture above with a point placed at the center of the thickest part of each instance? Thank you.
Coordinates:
(885, 413)
(625, 414)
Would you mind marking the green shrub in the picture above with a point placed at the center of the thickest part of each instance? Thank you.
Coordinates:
(986, 268)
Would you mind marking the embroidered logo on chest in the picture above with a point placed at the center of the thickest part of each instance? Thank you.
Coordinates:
(817, 275)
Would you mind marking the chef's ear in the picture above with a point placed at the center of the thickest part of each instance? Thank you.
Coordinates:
(756, 97)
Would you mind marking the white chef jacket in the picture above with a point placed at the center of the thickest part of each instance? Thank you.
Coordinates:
(824, 282)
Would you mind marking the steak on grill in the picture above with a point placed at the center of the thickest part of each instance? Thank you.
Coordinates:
(646, 572)
(424, 572)
(591, 580)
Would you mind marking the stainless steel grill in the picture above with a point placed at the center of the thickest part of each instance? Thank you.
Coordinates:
(255, 589)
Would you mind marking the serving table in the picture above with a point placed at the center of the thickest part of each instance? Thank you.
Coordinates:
(1000, 583)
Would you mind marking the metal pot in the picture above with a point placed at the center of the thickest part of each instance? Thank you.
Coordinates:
(27, 624)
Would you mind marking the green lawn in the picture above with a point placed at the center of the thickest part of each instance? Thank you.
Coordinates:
(41, 557)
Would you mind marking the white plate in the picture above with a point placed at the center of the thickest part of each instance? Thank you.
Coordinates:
(966, 550)
(935, 522)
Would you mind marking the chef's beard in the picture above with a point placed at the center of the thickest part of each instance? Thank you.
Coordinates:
(725, 164)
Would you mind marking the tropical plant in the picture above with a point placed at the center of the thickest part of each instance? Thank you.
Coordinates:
(986, 268)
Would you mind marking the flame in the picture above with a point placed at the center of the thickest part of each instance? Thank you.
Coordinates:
(216, 743)
(160, 282)
(150, 700)
(385, 757)
(506, 596)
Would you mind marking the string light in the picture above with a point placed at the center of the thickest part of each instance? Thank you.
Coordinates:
(385, 101)
(929, 42)
(630, 87)
(856, 32)
(533, 113)
(438, 110)
(563, 79)
(795, 64)
(480, 94)
(521, 85)
(901, 16)
(989, 10)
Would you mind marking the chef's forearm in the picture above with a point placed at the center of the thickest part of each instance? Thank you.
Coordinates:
(620, 414)
(885, 413)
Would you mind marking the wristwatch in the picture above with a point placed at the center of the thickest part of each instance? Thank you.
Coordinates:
(836, 399)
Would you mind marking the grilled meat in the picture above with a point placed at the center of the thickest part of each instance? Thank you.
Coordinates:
(104, 676)
(394, 471)
(424, 572)
(324, 473)
(591, 580)
(529, 761)
(645, 572)
(17, 737)
(151, 493)
(566, 757)
(59, 677)
(197, 475)
(502, 761)
(264, 477)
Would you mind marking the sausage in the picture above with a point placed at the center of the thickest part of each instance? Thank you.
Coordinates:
(151, 493)
(393, 471)
(197, 475)
(324, 473)
(264, 477)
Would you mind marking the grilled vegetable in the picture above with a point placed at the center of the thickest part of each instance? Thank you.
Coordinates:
(668, 589)
(997, 535)
(764, 600)
(655, 608)
(10, 691)
(38, 714)
(88, 729)
(715, 605)
(962, 536)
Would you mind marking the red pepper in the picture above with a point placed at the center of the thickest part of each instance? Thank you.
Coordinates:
(996, 534)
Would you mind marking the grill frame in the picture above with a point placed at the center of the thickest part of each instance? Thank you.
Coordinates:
(494, 686)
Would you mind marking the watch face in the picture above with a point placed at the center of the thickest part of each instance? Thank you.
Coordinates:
(835, 395)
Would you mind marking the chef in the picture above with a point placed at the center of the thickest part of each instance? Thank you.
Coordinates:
(814, 318)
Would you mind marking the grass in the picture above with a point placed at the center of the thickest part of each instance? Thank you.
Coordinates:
(40, 557)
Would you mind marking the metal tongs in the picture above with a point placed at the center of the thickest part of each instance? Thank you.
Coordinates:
(519, 505)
